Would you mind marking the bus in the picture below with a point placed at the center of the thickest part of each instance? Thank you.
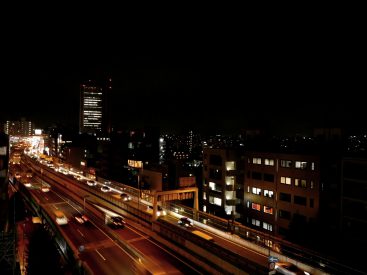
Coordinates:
(202, 235)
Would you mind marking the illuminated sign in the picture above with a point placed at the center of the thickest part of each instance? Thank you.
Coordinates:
(135, 163)
(38, 132)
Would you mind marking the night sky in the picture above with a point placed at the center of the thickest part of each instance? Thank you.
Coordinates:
(210, 76)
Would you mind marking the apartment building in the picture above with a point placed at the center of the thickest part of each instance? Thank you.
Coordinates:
(280, 188)
(223, 182)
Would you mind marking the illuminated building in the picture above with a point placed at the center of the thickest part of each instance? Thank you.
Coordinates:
(279, 189)
(19, 128)
(94, 112)
(223, 186)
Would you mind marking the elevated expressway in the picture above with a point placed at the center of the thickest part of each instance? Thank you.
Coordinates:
(225, 254)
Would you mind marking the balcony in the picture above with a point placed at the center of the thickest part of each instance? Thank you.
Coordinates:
(233, 202)
(230, 187)
(231, 173)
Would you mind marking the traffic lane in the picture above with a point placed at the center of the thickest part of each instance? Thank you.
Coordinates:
(155, 252)
(171, 263)
(109, 260)
(84, 234)
(47, 197)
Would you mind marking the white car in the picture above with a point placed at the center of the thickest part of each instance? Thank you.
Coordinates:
(61, 218)
(45, 189)
(91, 182)
(105, 188)
(28, 184)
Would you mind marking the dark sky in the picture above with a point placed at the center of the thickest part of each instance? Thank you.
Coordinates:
(210, 75)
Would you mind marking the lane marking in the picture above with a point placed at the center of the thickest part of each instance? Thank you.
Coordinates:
(100, 255)
(80, 232)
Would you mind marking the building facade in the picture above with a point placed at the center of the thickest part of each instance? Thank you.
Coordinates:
(281, 189)
(19, 128)
(354, 200)
(223, 182)
(94, 113)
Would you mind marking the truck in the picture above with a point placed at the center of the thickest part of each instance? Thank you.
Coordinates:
(202, 235)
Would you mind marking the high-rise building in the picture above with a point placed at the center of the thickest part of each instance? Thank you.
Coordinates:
(94, 115)
(19, 128)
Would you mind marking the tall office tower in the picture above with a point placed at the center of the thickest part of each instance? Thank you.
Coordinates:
(18, 128)
(94, 118)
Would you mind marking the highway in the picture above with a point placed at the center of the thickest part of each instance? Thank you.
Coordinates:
(100, 246)
(143, 242)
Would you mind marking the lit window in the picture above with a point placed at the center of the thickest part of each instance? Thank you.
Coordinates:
(268, 193)
(256, 160)
(301, 164)
(230, 180)
(212, 185)
(285, 180)
(248, 204)
(269, 162)
(204, 208)
(296, 182)
(218, 201)
(303, 183)
(230, 165)
(255, 222)
(248, 189)
(256, 191)
(211, 199)
(204, 195)
(268, 209)
(256, 206)
(267, 226)
(312, 166)
(311, 184)
(286, 163)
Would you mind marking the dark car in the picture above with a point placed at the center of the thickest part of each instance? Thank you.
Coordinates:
(125, 197)
(117, 222)
(184, 221)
